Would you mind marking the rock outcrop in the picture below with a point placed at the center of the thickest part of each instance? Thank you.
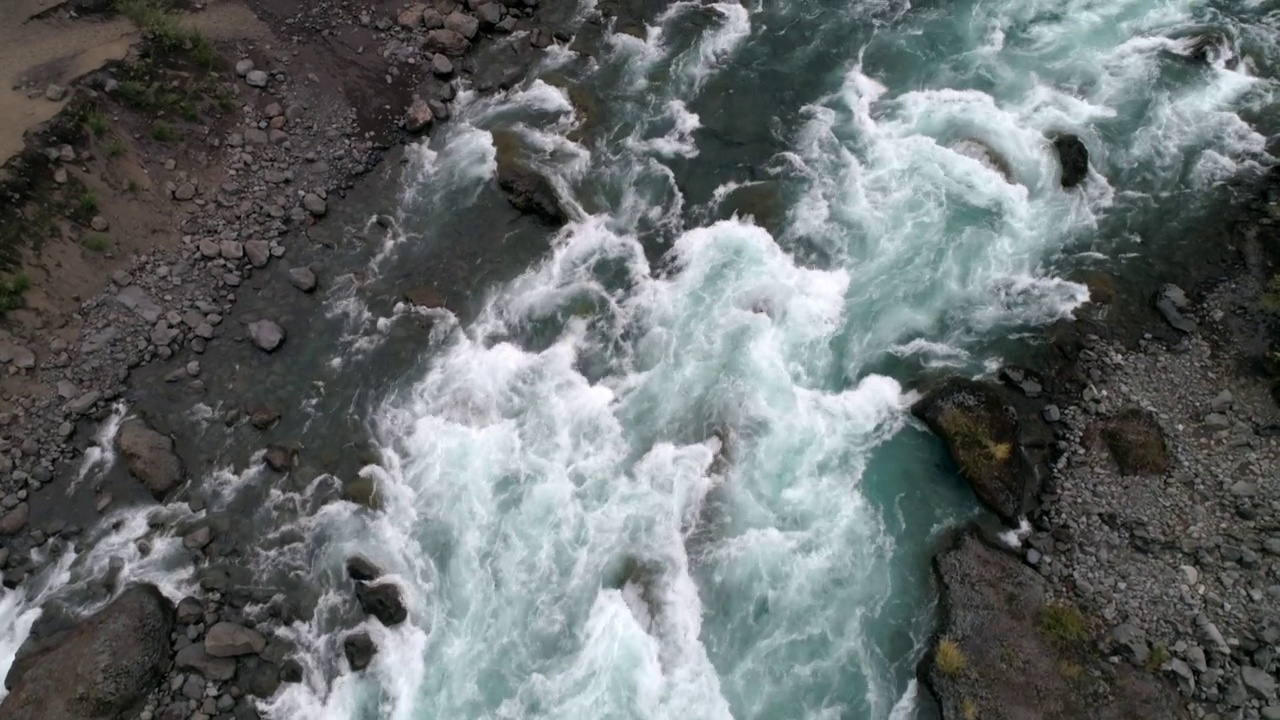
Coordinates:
(103, 668)
(982, 433)
(382, 601)
(1074, 157)
(149, 456)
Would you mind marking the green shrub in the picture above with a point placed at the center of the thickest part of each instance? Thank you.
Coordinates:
(11, 292)
(1063, 622)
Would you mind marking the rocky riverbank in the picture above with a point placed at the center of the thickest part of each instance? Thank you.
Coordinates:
(1147, 582)
(229, 189)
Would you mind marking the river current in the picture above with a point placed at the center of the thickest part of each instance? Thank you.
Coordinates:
(668, 470)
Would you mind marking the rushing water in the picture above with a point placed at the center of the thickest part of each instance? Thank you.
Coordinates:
(668, 471)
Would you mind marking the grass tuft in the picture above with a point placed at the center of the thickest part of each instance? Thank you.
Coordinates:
(96, 120)
(11, 292)
(1063, 622)
(163, 132)
(97, 242)
(949, 658)
(968, 709)
(114, 148)
(977, 453)
(87, 204)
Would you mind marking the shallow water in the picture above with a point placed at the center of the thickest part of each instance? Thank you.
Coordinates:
(668, 470)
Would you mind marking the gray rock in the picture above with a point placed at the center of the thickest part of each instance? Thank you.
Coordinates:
(1182, 673)
(490, 14)
(1221, 402)
(55, 92)
(254, 136)
(184, 192)
(1210, 633)
(432, 19)
(231, 640)
(14, 521)
(83, 403)
(444, 40)
(418, 116)
(99, 223)
(1217, 421)
(303, 278)
(100, 668)
(1051, 413)
(258, 252)
(314, 204)
(193, 657)
(197, 539)
(256, 78)
(231, 249)
(266, 335)
(441, 65)
(1258, 681)
(1132, 643)
(1271, 712)
(149, 456)
(244, 67)
(20, 357)
(1170, 301)
(463, 24)
(190, 611)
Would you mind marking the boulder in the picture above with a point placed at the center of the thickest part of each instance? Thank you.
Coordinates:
(1136, 442)
(190, 611)
(104, 667)
(15, 520)
(280, 458)
(303, 278)
(527, 189)
(193, 657)
(1074, 157)
(463, 24)
(410, 17)
(1170, 301)
(418, 116)
(266, 335)
(363, 490)
(982, 436)
(362, 569)
(257, 677)
(444, 40)
(382, 601)
(149, 456)
(359, 649)
(226, 640)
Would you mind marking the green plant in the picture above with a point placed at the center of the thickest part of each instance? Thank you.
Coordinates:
(96, 120)
(949, 658)
(87, 204)
(163, 132)
(132, 186)
(11, 292)
(1063, 622)
(97, 243)
(1157, 658)
(977, 453)
(114, 148)
(968, 709)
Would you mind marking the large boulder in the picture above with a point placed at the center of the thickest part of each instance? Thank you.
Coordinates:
(445, 42)
(101, 669)
(527, 189)
(194, 657)
(149, 456)
(359, 649)
(982, 433)
(382, 601)
(1074, 157)
(1136, 442)
(226, 640)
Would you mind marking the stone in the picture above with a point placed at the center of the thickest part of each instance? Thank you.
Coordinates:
(189, 611)
(279, 457)
(382, 601)
(21, 357)
(410, 17)
(55, 92)
(273, 110)
(243, 67)
(1190, 575)
(198, 538)
(102, 667)
(1132, 643)
(1134, 438)
(359, 650)
(231, 249)
(149, 456)
(254, 136)
(84, 403)
(256, 78)
(258, 252)
(1217, 421)
(490, 14)
(1074, 157)
(1051, 413)
(14, 521)
(184, 192)
(526, 188)
(444, 40)
(1258, 681)
(418, 116)
(194, 657)
(99, 223)
(362, 569)
(227, 639)
(1271, 712)
(1170, 301)
(462, 23)
(1221, 402)
(303, 278)
(314, 204)
(441, 65)
(266, 335)
(257, 677)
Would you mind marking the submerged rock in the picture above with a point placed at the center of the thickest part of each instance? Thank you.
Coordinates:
(982, 435)
(104, 667)
(382, 601)
(362, 569)
(1136, 442)
(1074, 157)
(149, 456)
(527, 189)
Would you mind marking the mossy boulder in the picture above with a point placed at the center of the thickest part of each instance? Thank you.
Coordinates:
(1136, 442)
(982, 433)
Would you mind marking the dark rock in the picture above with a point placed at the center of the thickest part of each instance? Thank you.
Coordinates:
(257, 677)
(463, 24)
(1134, 438)
(1170, 301)
(149, 456)
(444, 40)
(527, 189)
(359, 649)
(194, 657)
(190, 611)
(303, 278)
(230, 640)
(383, 601)
(104, 667)
(426, 296)
(362, 490)
(280, 458)
(361, 569)
(14, 521)
(263, 417)
(1074, 157)
(982, 437)
(1024, 380)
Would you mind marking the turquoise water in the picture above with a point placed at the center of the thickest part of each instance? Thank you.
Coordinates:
(668, 471)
